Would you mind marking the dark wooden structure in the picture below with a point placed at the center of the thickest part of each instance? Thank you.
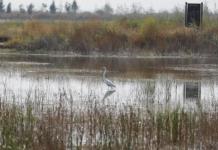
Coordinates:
(193, 14)
(4, 39)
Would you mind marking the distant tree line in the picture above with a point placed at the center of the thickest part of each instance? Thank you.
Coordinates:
(51, 11)
(72, 8)
(69, 8)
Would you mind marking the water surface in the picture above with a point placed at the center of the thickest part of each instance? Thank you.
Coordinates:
(191, 83)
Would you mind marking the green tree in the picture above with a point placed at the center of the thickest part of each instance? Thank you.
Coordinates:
(30, 9)
(108, 9)
(2, 6)
(75, 7)
(8, 8)
(53, 8)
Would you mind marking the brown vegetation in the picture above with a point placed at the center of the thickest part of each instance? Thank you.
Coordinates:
(148, 35)
(34, 125)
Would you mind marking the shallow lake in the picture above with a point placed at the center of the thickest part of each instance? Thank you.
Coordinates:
(155, 82)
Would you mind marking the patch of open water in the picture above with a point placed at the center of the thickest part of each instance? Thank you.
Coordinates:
(166, 82)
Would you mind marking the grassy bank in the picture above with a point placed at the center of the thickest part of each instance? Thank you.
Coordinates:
(34, 125)
(144, 36)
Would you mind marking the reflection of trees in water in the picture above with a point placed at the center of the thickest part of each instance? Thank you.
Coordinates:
(192, 93)
(192, 90)
(170, 93)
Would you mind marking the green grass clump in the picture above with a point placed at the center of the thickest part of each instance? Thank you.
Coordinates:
(17, 127)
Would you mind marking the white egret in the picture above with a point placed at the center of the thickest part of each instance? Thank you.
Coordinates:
(108, 82)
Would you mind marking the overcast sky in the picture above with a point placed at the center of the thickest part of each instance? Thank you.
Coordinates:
(91, 5)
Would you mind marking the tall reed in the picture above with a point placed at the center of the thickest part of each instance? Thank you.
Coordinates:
(65, 125)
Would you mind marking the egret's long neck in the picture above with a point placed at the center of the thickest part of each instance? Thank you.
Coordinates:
(104, 73)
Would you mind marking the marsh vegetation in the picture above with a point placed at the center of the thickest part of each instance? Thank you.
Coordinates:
(35, 126)
(143, 36)
(47, 103)
(52, 96)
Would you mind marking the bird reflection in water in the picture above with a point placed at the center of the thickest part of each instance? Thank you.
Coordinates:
(108, 94)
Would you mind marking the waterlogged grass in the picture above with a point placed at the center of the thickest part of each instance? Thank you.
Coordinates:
(148, 35)
(65, 125)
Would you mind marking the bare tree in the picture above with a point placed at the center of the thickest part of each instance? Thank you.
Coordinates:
(22, 10)
(68, 7)
(137, 9)
(44, 7)
(122, 10)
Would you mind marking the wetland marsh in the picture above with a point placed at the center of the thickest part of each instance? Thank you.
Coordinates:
(61, 102)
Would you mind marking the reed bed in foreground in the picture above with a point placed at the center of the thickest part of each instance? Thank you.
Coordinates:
(65, 125)
(147, 35)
